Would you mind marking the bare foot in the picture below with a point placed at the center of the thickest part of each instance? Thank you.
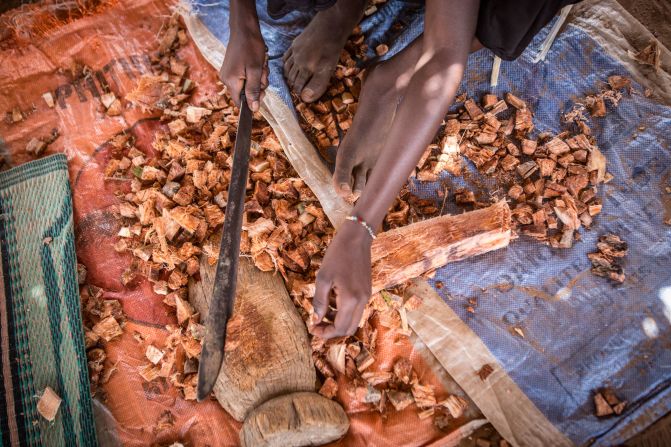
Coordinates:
(363, 143)
(384, 87)
(313, 55)
(361, 147)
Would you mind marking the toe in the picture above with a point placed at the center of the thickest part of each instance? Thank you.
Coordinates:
(316, 86)
(342, 177)
(293, 73)
(302, 79)
(288, 65)
(287, 54)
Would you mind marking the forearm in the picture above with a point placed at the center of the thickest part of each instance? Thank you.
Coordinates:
(243, 18)
(449, 31)
(418, 116)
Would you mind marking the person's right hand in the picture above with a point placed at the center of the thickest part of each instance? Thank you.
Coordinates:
(245, 64)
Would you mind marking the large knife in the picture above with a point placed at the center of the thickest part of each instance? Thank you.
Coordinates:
(223, 296)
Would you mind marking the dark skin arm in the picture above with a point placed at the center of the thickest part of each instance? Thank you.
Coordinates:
(245, 62)
(346, 268)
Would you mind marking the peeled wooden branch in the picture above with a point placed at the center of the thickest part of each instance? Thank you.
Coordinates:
(407, 252)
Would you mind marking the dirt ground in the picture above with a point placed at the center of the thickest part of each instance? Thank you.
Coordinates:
(654, 14)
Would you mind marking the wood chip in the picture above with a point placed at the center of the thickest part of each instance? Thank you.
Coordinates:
(605, 262)
(36, 147)
(596, 161)
(49, 404)
(381, 49)
(602, 408)
(403, 370)
(108, 329)
(399, 399)
(336, 357)
(423, 395)
(149, 372)
(154, 354)
(364, 360)
(455, 405)
(195, 114)
(649, 55)
(515, 101)
(329, 389)
(473, 110)
(49, 99)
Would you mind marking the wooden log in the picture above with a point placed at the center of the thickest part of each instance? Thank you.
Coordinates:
(297, 419)
(407, 252)
(267, 349)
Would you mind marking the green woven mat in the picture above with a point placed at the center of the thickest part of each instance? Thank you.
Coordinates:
(41, 335)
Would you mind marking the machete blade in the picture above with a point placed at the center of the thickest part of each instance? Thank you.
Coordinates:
(223, 296)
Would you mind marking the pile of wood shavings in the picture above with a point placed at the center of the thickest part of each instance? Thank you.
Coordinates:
(177, 359)
(551, 180)
(172, 214)
(398, 388)
(175, 207)
(104, 321)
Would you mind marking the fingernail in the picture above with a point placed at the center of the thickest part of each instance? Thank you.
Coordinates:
(308, 92)
(255, 106)
(344, 186)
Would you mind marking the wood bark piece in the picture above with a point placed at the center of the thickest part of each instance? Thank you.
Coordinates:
(407, 252)
(267, 350)
(296, 419)
(48, 404)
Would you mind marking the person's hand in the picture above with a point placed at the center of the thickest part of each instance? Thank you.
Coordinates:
(346, 275)
(245, 64)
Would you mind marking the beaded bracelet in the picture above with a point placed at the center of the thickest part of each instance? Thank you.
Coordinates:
(363, 224)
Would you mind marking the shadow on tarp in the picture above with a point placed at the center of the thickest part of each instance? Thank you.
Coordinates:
(581, 332)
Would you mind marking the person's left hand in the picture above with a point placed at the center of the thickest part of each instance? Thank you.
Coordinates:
(346, 274)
